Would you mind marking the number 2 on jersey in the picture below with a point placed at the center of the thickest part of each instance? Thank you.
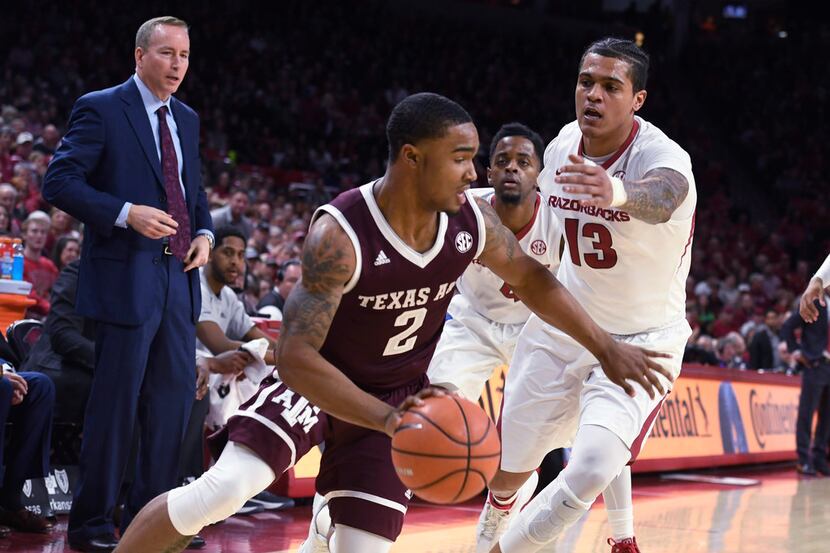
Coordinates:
(604, 255)
(405, 341)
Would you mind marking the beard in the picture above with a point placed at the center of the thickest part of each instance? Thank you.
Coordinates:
(511, 197)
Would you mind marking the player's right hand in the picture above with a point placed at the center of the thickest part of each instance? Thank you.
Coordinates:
(393, 419)
(807, 306)
(626, 362)
(151, 222)
(231, 362)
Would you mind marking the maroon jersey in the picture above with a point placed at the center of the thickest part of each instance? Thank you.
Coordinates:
(392, 312)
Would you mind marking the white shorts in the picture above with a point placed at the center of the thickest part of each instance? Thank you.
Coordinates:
(470, 348)
(555, 385)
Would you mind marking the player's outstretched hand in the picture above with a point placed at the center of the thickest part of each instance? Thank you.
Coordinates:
(393, 419)
(627, 362)
(807, 306)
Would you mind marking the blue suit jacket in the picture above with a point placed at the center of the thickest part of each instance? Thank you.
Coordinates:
(109, 157)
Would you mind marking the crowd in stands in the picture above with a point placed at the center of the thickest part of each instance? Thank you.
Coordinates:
(284, 103)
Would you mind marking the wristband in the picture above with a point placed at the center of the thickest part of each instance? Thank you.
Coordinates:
(618, 193)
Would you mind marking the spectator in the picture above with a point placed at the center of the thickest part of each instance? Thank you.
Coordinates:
(763, 347)
(26, 400)
(730, 351)
(67, 250)
(37, 268)
(287, 276)
(62, 224)
(5, 222)
(233, 214)
(65, 352)
(8, 199)
(48, 141)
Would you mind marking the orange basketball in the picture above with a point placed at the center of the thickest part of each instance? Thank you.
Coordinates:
(446, 450)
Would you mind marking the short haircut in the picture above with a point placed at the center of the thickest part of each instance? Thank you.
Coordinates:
(625, 50)
(142, 37)
(420, 117)
(37, 216)
(226, 232)
(519, 129)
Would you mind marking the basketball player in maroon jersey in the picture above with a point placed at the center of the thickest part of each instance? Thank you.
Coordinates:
(379, 267)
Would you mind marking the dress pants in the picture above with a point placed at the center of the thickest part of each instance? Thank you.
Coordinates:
(144, 376)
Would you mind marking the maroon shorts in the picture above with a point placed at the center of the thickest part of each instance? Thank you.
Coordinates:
(279, 425)
(357, 477)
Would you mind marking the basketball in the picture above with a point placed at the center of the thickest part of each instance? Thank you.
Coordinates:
(446, 450)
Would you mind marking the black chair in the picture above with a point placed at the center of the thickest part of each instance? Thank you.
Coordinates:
(7, 353)
(22, 335)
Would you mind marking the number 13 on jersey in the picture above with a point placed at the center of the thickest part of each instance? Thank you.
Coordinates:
(603, 256)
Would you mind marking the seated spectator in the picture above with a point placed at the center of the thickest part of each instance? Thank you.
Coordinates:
(725, 323)
(730, 351)
(67, 250)
(287, 276)
(37, 268)
(8, 199)
(65, 352)
(26, 400)
(702, 351)
(763, 347)
(787, 363)
(62, 224)
(233, 214)
(5, 222)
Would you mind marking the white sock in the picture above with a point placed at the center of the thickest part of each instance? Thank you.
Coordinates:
(619, 507)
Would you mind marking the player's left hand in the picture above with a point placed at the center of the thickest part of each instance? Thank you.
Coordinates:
(198, 253)
(393, 419)
(626, 362)
(588, 179)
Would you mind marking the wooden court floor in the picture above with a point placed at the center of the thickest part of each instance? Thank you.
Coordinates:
(784, 513)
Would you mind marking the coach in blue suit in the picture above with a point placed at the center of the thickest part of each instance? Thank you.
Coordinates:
(129, 168)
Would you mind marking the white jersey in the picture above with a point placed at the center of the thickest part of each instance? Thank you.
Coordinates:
(487, 293)
(629, 275)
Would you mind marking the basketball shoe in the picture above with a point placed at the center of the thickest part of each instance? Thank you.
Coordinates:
(495, 519)
(627, 545)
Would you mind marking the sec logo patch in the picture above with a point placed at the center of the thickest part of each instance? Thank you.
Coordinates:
(538, 247)
(463, 241)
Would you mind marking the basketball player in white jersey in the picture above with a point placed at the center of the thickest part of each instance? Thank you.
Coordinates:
(625, 195)
(486, 315)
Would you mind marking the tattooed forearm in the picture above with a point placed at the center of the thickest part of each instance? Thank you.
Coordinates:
(328, 264)
(654, 198)
(498, 236)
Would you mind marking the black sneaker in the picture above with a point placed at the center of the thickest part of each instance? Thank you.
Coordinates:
(250, 508)
(823, 468)
(271, 501)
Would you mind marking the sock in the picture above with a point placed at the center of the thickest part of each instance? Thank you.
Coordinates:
(503, 503)
(619, 507)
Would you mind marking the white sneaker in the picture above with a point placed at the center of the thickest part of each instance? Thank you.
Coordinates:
(318, 542)
(315, 544)
(494, 522)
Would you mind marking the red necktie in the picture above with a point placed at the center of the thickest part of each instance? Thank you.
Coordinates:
(179, 242)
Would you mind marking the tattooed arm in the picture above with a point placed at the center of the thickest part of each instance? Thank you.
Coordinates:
(651, 199)
(534, 284)
(654, 198)
(328, 262)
